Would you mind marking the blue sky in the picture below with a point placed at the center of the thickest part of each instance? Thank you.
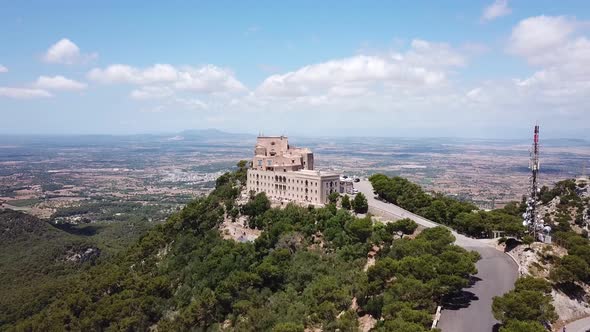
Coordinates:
(387, 68)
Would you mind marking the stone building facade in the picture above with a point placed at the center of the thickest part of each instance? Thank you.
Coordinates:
(287, 174)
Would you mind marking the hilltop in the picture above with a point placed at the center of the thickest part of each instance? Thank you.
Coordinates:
(565, 262)
(306, 270)
(293, 268)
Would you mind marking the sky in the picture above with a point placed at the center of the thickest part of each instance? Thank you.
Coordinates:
(486, 69)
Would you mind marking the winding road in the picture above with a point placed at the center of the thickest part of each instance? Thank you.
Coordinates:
(497, 272)
(581, 325)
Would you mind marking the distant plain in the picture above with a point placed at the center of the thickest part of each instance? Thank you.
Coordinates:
(103, 178)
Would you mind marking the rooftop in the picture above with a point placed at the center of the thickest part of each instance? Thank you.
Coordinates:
(315, 172)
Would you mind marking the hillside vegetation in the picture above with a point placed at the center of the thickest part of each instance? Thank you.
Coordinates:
(38, 260)
(305, 270)
(34, 263)
(560, 270)
(464, 217)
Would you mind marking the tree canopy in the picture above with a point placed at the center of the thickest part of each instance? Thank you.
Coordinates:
(359, 203)
(303, 271)
(346, 202)
(528, 302)
(465, 217)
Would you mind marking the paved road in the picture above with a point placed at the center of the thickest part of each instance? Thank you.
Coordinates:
(581, 325)
(496, 275)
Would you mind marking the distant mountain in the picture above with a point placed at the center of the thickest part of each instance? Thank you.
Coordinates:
(213, 134)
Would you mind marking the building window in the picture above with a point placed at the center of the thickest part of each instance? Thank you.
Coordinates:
(259, 163)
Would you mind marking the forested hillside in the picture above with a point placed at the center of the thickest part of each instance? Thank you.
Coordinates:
(305, 270)
(561, 268)
(465, 217)
(38, 260)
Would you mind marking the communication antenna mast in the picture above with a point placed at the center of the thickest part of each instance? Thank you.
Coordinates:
(532, 220)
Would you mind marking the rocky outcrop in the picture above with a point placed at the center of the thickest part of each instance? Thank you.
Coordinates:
(81, 255)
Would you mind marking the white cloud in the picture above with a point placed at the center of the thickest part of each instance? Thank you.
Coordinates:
(174, 104)
(423, 53)
(424, 65)
(66, 52)
(23, 93)
(192, 103)
(423, 83)
(559, 84)
(534, 36)
(3, 69)
(553, 44)
(119, 73)
(206, 79)
(497, 9)
(151, 92)
(59, 83)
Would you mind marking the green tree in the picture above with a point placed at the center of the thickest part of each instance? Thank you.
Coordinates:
(288, 327)
(359, 203)
(360, 228)
(570, 269)
(405, 226)
(242, 164)
(327, 293)
(242, 173)
(524, 305)
(346, 202)
(580, 251)
(532, 283)
(523, 326)
(256, 206)
(405, 311)
(400, 325)
(528, 240)
(222, 180)
(347, 322)
(439, 237)
(333, 197)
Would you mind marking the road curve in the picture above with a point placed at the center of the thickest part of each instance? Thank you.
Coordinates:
(496, 275)
(580, 325)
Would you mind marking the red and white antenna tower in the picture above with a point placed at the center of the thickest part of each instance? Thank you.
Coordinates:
(531, 218)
